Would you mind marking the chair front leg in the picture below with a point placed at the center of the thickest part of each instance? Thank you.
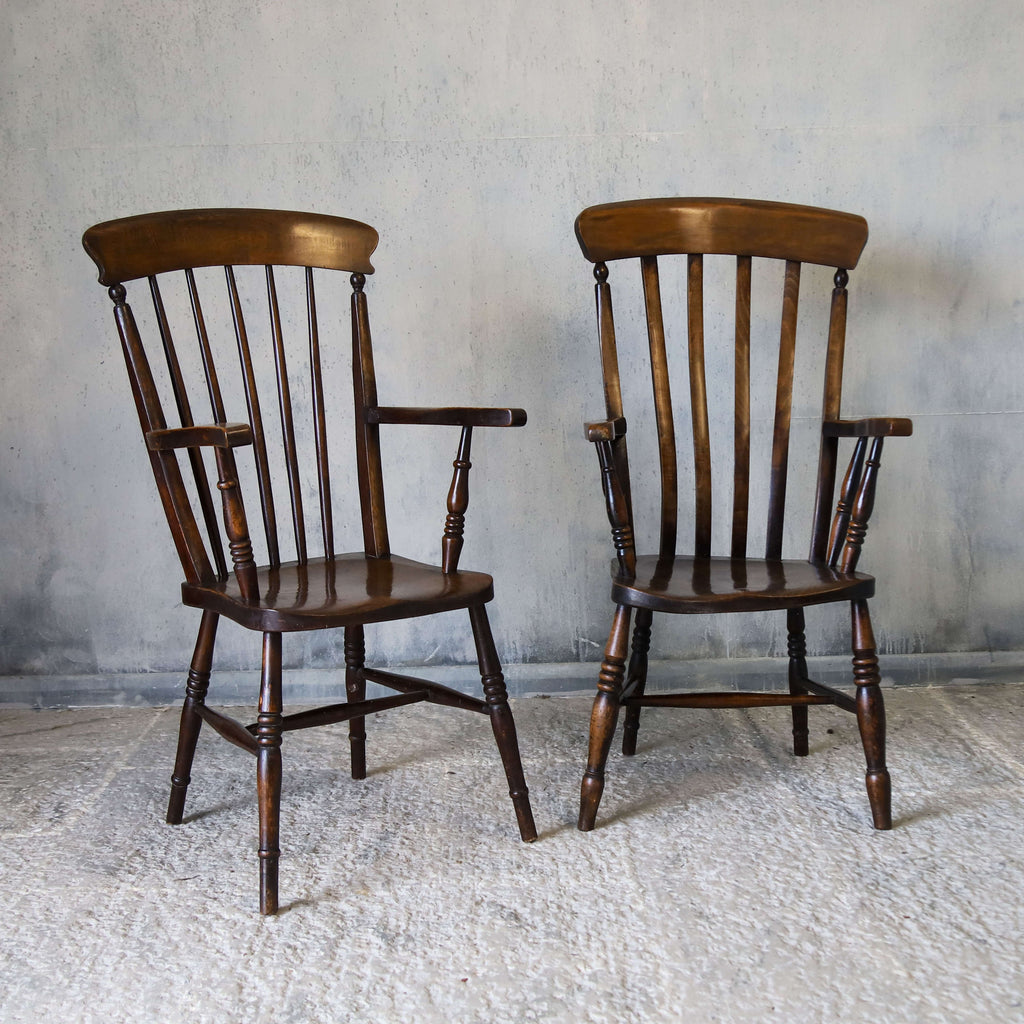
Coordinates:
(636, 678)
(603, 717)
(355, 687)
(188, 731)
(871, 715)
(797, 645)
(268, 770)
(502, 722)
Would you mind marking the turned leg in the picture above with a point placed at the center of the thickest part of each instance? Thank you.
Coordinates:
(871, 715)
(797, 644)
(603, 717)
(502, 723)
(355, 686)
(188, 731)
(636, 678)
(268, 770)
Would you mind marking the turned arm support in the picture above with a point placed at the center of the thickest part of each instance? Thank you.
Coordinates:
(458, 493)
(606, 435)
(857, 493)
(222, 437)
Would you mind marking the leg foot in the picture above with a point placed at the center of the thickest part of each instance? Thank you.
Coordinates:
(603, 718)
(188, 731)
(502, 723)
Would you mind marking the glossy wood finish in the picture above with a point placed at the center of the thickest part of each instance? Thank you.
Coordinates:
(276, 494)
(705, 582)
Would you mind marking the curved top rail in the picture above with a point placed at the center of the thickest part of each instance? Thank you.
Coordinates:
(741, 227)
(156, 243)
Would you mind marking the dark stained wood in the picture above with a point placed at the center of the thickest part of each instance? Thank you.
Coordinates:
(704, 582)
(229, 729)
(433, 692)
(662, 406)
(458, 502)
(284, 396)
(691, 585)
(453, 417)
(319, 417)
(741, 227)
(783, 413)
(211, 435)
(157, 243)
(699, 407)
(796, 648)
(725, 699)
(603, 717)
(191, 718)
(320, 588)
(741, 411)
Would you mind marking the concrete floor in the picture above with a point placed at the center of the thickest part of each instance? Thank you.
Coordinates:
(727, 881)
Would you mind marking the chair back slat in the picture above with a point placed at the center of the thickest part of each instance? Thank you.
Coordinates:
(183, 406)
(282, 251)
(252, 403)
(831, 403)
(284, 397)
(209, 367)
(319, 417)
(662, 406)
(741, 411)
(699, 405)
(700, 230)
(783, 412)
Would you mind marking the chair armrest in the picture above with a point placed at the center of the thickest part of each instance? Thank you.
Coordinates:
(214, 435)
(452, 416)
(874, 426)
(606, 430)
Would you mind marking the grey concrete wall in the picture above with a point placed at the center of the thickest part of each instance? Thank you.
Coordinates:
(470, 135)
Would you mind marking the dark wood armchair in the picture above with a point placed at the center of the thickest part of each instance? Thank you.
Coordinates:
(255, 398)
(733, 581)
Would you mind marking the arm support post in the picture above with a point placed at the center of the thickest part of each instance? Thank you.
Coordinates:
(235, 524)
(458, 502)
(862, 507)
(618, 508)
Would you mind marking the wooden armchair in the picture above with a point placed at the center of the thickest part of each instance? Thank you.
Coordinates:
(702, 582)
(317, 587)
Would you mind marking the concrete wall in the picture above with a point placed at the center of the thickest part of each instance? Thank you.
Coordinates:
(470, 135)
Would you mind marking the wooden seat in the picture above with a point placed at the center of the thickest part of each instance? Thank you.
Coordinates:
(688, 236)
(257, 364)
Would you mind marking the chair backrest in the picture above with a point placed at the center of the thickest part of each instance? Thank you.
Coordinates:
(200, 350)
(692, 229)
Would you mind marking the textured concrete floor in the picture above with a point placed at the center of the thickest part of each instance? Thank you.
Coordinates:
(727, 881)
